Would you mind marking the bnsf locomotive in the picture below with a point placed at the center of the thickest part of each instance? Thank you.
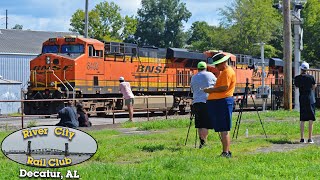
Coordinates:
(88, 69)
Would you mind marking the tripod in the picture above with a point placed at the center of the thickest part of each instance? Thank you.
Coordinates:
(191, 118)
(245, 97)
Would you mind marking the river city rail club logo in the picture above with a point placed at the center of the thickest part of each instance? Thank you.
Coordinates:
(49, 146)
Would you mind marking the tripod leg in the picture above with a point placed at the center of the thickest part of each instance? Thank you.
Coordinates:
(254, 104)
(188, 132)
(237, 122)
(195, 142)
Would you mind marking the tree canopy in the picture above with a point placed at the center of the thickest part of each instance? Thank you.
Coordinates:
(243, 24)
(105, 23)
(160, 23)
(311, 33)
(17, 26)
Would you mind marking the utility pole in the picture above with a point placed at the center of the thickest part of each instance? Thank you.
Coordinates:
(6, 18)
(86, 20)
(287, 55)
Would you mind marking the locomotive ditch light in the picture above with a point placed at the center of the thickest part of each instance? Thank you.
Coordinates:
(48, 60)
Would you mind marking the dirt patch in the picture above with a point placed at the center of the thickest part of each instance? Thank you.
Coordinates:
(284, 147)
(131, 131)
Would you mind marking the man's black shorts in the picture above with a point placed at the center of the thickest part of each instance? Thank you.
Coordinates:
(201, 116)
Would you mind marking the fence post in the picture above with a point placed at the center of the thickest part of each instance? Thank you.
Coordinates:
(113, 116)
(165, 101)
(148, 107)
(22, 109)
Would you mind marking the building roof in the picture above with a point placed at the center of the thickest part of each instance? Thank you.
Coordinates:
(14, 41)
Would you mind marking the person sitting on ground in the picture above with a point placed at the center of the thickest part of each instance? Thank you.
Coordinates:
(83, 117)
(68, 116)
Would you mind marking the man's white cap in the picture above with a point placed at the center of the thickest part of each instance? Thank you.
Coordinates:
(304, 66)
(121, 78)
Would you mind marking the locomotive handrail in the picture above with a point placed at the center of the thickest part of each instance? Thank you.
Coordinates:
(73, 92)
(61, 82)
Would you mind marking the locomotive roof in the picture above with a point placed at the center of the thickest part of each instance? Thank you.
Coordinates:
(184, 54)
(275, 62)
(14, 41)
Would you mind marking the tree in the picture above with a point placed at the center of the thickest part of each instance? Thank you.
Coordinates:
(105, 22)
(205, 37)
(249, 22)
(311, 35)
(17, 26)
(160, 23)
(130, 28)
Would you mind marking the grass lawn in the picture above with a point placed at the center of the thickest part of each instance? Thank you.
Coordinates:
(157, 151)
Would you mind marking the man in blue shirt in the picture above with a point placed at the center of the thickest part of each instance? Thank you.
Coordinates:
(68, 115)
(200, 81)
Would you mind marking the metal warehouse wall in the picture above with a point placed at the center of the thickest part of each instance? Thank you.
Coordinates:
(10, 92)
(16, 67)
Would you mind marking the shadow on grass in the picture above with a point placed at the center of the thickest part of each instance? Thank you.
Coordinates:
(153, 148)
(281, 141)
(160, 147)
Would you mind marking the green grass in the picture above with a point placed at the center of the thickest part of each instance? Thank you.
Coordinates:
(161, 154)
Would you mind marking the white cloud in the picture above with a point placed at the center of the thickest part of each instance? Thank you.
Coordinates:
(40, 24)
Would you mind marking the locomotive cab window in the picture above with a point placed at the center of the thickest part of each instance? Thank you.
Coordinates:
(72, 48)
(94, 53)
(50, 49)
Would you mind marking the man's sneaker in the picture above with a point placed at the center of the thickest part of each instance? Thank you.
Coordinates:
(302, 141)
(226, 154)
(310, 141)
(202, 145)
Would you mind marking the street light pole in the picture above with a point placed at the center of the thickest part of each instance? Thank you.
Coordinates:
(297, 22)
(86, 20)
(263, 76)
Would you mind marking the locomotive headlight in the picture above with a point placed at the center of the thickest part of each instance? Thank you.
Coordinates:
(52, 84)
(48, 61)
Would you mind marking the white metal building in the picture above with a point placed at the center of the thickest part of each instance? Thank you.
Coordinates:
(17, 48)
(9, 90)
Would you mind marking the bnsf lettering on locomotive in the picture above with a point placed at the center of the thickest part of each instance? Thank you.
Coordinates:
(93, 66)
(56, 68)
(151, 69)
(66, 67)
(48, 68)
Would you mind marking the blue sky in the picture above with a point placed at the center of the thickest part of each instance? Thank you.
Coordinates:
(55, 15)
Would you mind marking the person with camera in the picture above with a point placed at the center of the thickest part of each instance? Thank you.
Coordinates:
(198, 82)
(306, 84)
(220, 100)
